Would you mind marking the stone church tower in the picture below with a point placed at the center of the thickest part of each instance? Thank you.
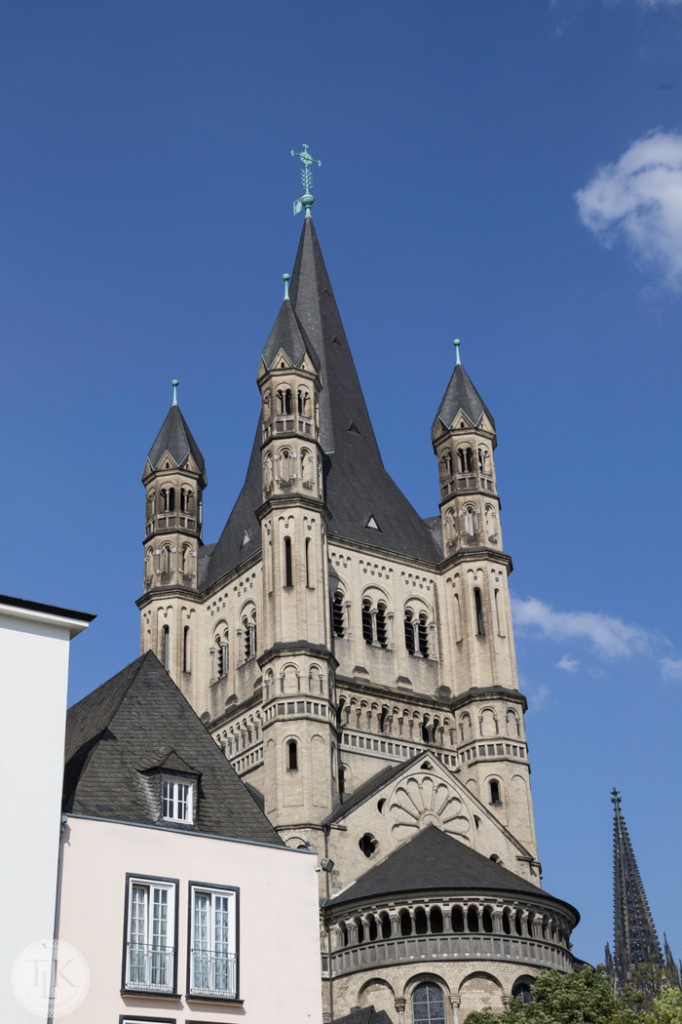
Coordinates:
(356, 664)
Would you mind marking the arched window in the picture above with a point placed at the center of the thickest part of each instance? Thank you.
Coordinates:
(465, 460)
(165, 559)
(470, 520)
(428, 1005)
(405, 923)
(478, 612)
(367, 623)
(421, 925)
(165, 647)
(168, 499)
(423, 635)
(306, 467)
(222, 646)
(303, 402)
(186, 652)
(472, 919)
(284, 401)
(436, 920)
(382, 636)
(523, 990)
(185, 559)
(446, 463)
(338, 616)
(249, 633)
(307, 562)
(457, 919)
(292, 755)
(288, 564)
(409, 632)
(285, 466)
(185, 499)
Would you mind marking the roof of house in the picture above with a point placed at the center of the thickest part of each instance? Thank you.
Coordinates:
(358, 489)
(364, 1015)
(134, 729)
(176, 439)
(435, 861)
(461, 396)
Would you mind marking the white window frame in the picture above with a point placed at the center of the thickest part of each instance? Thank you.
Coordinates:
(179, 804)
(213, 969)
(150, 965)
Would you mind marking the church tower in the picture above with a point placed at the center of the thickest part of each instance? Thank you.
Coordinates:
(478, 619)
(174, 478)
(355, 663)
(299, 735)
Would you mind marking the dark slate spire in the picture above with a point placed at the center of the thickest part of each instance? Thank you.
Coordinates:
(636, 941)
(358, 490)
(175, 439)
(287, 336)
(460, 396)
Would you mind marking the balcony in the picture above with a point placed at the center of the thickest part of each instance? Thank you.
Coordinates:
(150, 968)
(213, 975)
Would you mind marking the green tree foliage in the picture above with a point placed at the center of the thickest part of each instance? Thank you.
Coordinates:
(585, 997)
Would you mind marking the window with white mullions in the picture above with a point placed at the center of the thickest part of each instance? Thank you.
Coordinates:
(150, 953)
(428, 1005)
(176, 800)
(213, 956)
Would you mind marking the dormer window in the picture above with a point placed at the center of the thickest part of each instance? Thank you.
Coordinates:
(177, 801)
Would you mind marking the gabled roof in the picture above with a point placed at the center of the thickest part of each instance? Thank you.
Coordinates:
(357, 486)
(138, 724)
(461, 396)
(288, 336)
(433, 861)
(371, 786)
(175, 438)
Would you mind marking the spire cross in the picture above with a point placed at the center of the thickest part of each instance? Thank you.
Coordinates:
(175, 384)
(286, 278)
(457, 343)
(615, 798)
(306, 200)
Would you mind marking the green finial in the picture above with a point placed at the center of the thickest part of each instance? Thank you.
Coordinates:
(457, 343)
(306, 200)
(286, 278)
(176, 385)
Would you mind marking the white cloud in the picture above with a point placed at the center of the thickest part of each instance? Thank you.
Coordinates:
(639, 199)
(671, 668)
(568, 664)
(609, 637)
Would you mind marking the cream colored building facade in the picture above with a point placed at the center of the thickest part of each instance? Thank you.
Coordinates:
(356, 663)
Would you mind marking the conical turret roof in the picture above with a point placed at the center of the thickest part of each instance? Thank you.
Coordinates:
(175, 439)
(288, 336)
(365, 503)
(461, 396)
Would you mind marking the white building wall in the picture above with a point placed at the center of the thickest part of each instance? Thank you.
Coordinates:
(278, 946)
(34, 660)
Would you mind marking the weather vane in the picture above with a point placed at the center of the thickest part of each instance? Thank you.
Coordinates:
(306, 200)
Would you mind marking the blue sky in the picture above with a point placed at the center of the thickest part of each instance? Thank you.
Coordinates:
(506, 173)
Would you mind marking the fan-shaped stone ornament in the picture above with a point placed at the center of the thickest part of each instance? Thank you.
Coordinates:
(422, 800)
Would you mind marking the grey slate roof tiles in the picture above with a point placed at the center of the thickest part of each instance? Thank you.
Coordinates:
(364, 1015)
(176, 438)
(434, 861)
(461, 394)
(357, 485)
(132, 729)
(288, 336)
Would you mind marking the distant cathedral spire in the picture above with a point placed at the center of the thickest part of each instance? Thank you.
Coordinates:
(635, 940)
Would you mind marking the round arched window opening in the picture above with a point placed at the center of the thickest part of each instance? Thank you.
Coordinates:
(428, 1005)
(523, 990)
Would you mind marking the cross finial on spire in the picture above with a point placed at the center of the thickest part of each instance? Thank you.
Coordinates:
(176, 385)
(457, 343)
(615, 797)
(286, 278)
(306, 200)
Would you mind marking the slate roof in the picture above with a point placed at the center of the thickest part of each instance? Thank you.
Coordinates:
(288, 336)
(364, 1015)
(357, 485)
(136, 725)
(175, 437)
(435, 861)
(460, 394)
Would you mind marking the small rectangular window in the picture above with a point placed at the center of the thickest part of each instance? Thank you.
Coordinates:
(177, 801)
(213, 959)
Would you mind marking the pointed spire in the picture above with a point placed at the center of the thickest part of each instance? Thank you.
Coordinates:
(635, 938)
(460, 396)
(288, 337)
(175, 439)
